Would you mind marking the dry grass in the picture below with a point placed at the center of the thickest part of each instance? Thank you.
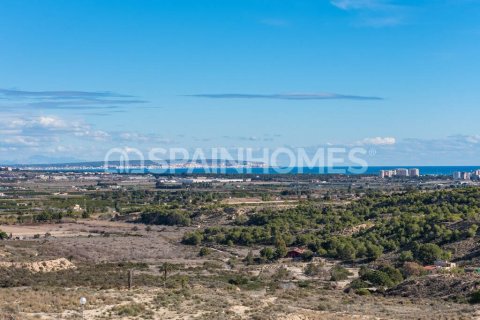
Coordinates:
(45, 300)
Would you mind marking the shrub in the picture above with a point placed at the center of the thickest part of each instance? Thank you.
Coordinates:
(406, 256)
(362, 292)
(165, 217)
(394, 274)
(386, 276)
(130, 310)
(267, 253)
(475, 297)
(3, 235)
(410, 269)
(238, 280)
(339, 273)
(307, 255)
(249, 260)
(313, 269)
(359, 284)
(192, 238)
(204, 251)
(280, 249)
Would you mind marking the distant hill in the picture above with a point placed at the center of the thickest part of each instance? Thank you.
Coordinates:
(139, 163)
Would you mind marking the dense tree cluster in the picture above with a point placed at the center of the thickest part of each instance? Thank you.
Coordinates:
(162, 216)
(414, 223)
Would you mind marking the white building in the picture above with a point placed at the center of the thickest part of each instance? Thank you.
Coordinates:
(401, 172)
(413, 172)
(386, 173)
(444, 264)
(458, 175)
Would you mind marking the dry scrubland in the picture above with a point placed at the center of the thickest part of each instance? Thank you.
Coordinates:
(95, 257)
(217, 251)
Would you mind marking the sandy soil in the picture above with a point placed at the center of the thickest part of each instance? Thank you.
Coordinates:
(41, 266)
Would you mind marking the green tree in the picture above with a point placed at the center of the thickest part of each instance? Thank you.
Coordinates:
(280, 249)
(429, 252)
(406, 256)
(267, 253)
(472, 231)
(193, 238)
(3, 235)
(374, 251)
(346, 252)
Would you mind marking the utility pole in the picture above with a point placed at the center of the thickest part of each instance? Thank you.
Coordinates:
(130, 279)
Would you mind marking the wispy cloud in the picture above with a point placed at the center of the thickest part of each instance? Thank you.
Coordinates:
(60, 94)
(12, 99)
(286, 96)
(265, 137)
(374, 13)
(359, 4)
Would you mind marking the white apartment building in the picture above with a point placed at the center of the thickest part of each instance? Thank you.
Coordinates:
(401, 172)
(413, 172)
(386, 173)
(459, 175)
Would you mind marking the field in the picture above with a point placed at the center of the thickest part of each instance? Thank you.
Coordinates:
(225, 251)
(219, 286)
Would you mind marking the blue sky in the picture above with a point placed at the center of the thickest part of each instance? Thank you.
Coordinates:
(80, 77)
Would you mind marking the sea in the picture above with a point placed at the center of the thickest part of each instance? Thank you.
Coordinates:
(374, 170)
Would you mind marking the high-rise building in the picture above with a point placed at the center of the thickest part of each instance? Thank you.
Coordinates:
(459, 175)
(386, 173)
(401, 172)
(413, 172)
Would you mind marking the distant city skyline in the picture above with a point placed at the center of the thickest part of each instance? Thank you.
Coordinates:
(398, 78)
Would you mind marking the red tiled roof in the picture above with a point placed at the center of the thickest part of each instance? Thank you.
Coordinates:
(297, 250)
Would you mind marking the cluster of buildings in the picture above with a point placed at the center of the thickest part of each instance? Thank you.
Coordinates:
(440, 265)
(461, 175)
(400, 172)
(6, 169)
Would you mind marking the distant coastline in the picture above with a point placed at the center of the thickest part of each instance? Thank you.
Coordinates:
(229, 168)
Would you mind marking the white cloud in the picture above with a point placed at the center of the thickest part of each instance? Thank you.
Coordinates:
(357, 4)
(378, 141)
(95, 134)
(374, 13)
(22, 141)
(141, 138)
(43, 131)
(50, 122)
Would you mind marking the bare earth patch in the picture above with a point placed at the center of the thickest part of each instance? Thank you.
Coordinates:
(41, 266)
